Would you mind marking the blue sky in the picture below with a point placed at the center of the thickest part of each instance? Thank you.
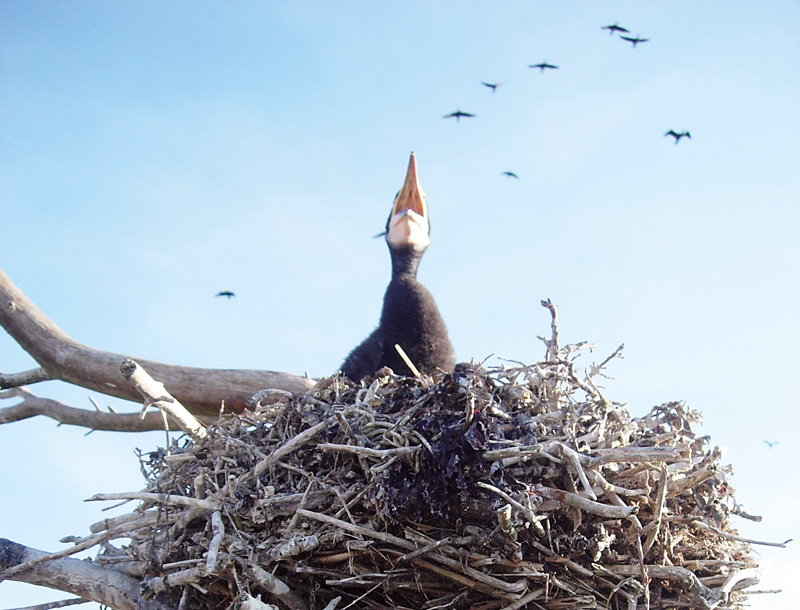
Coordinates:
(155, 154)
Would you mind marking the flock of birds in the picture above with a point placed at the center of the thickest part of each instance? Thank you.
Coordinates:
(411, 337)
(614, 28)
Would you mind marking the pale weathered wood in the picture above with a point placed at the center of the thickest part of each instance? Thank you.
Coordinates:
(155, 394)
(201, 390)
(79, 577)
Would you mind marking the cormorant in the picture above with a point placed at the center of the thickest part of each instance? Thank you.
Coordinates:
(634, 41)
(457, 114)
(225, 293)
(543, 66)
(410, 317)
(677, 135)
(492, 86)
(614, 28)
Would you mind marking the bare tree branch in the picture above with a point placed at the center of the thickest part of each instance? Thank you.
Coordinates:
(52, 605)
(156, 395)
(201, 390)
(79, 577)
(33, 405)
(25, 378)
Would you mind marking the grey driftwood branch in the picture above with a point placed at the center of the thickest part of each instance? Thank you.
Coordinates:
(202, 391)
(32, 405)
(79, 577)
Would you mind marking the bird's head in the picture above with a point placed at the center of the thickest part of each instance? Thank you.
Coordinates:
(408, 226)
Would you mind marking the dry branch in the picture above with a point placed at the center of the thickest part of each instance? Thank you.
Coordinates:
(75, 601)
(156, 395)
(83, 578)
(32, 405)
(202, 391)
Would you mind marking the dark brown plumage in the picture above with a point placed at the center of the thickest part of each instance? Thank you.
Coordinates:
(410, 317)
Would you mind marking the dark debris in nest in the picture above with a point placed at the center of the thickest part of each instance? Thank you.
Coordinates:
(514, 487)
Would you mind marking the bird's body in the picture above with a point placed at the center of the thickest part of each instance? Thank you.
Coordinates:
(510, 175)
(225, 293)
(492, 86)
(410, 317)
(544, 66)
(614, 27)
(634, 40)
(678, 135)
(457, 115)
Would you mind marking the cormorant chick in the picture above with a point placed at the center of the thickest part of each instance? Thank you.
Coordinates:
(410, 317)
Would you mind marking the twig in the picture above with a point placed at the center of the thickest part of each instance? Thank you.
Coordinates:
(706, 596)
(218, 528)
(528, 512)
(428, 548)
(369, 452)
(52, 605)
(636, 455)
(525, 599)
(32, 406)
(740, 579)
(15, 380)
(574, 458)
(517, 587)
(552, 343)
(275, 586)
(292, 445)
(658, 511)
(710, 528)
(156, 394)
(407, 360)
(39, 559)
(158, 498)
(595, 508)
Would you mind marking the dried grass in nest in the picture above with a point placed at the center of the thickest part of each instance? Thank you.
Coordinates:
(516, 487)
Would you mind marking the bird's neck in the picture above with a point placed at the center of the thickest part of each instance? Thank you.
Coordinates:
(405, 262)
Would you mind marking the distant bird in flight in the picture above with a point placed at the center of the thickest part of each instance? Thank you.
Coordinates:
(492, 86)
(543, 66)
(510, 175)
(677, 135)
(614, 28)
(226, 293)
(771, 443)
(457, 114)
(634, 41)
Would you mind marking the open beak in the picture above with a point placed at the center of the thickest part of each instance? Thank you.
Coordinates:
(408, 223)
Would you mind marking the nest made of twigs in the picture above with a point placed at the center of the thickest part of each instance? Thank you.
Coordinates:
(515, 487)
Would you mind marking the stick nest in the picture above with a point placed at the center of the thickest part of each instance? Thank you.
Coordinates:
(515, 487)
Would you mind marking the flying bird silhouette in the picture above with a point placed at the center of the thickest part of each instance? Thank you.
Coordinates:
(677, 135)
(634, 40)
(492, 86)
(544, 66)
(614, 28)
(771, 443)
(457, 114)
(510, 175)
(225, 293)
